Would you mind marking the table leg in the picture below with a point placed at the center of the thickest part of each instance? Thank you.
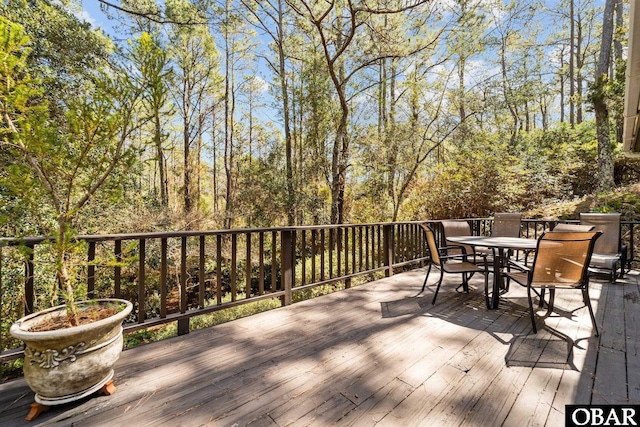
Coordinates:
(497, 279)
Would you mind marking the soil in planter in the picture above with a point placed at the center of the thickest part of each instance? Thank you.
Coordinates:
(86, 316)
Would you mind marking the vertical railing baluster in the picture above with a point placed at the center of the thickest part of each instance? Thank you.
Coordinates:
(400, 241)
(323, 250)
(247, 281)
(234, 266)
(347, 282)
(274, 281)
(29, 291)
(141, 280)
(379, 243)
(353, 251)
(261, 266)
(201, 272)
(117, 270)
(346, 251)
(294, 238)
(360, 248)
(314, 236)
(183, 274)
(303, 257)
(183, 324)
(219, 269)
(630, 246)
(366, 244)
(332, 233)
(163, 277)
(91, 270)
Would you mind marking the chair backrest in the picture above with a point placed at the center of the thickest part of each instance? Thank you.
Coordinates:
(453, 228)
(609, 224)
(563, 257)
(573, 227)
(431, 243)
(506, 224)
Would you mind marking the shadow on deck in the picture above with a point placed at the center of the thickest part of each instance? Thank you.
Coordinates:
(377, 354)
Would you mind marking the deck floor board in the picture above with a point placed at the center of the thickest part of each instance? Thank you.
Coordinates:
(377, 354)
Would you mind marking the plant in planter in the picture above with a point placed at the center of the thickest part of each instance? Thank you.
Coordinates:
(59, 159)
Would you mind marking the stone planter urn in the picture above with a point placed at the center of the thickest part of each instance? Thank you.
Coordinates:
(68, 364)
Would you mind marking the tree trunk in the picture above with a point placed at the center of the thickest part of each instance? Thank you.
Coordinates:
(291, 197)
(572, 35)
(164, 198)
(186, 164)
(579, 69)
(605, 161)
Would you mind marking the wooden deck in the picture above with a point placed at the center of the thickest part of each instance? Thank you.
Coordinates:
(376, 354)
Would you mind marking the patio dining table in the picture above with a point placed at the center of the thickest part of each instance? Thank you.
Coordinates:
(499, 245)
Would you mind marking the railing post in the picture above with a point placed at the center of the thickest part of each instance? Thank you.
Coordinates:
(286, 263)
(389, 255)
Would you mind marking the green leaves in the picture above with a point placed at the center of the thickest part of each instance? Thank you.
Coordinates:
(17, 88)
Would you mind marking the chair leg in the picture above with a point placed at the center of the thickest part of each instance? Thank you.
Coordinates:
(465, 282)
(505, 256)
(587, 302)
(552, 297)
(424, 285)
(531, 313)
(486, 289)
(541, 302)
(435, 295)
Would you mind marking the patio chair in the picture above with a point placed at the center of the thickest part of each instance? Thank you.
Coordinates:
(561, 261)
(573, 227)
(506, 224)
(453, 264)
(453, 228)
(608, 253)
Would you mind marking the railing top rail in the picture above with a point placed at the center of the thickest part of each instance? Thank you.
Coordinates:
(35, 240)
(12, 241)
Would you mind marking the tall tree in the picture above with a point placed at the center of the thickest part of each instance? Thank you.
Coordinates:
(270, 17)
(339, 25)
(153, 65)
(514, 39)
(599, 100)
(195, 59)
(238, 47)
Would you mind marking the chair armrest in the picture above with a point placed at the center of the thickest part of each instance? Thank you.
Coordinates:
(461, 247)
(519, 266)
(464, 257)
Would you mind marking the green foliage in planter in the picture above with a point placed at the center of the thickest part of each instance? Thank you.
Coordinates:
(59, 158)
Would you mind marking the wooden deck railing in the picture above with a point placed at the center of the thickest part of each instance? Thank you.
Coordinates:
(174, 276)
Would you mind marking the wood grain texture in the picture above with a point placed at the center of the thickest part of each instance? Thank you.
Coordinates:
(376, 354)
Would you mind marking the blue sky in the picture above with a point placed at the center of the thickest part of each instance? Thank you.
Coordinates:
(94, 15)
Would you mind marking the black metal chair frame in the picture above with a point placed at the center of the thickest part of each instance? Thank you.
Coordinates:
(582, 283)
(452, 264)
